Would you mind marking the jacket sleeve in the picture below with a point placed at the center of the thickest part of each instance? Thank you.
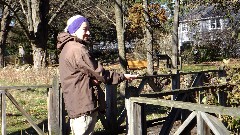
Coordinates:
(88, 65)
(112, 77)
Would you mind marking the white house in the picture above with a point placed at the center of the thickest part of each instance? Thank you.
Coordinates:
(202, 20)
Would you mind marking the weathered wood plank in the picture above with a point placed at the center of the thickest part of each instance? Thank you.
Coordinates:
(53, 108)
(154, 76)
(153, 85)
(3, 111)
(187, 105)
(205, 71)
(24, 87)
(179, 91)
(172, 74)
(171, 118)
(185, 123)
(136, 119)
(222, 96)
(29, 119)
(129, 120)
(215, 125)
(202, 128)
(127, 95)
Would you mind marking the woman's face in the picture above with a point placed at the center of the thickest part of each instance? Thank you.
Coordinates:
(83, 32)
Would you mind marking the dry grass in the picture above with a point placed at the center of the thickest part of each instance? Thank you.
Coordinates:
(25, 75)
(33, 101)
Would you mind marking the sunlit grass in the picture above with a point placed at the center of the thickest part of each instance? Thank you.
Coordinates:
(198, 67)
(33, 101)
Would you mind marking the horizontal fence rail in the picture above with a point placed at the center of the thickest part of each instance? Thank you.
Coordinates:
(180, 103)
(24, 87)
(188, 105)
(187, 90)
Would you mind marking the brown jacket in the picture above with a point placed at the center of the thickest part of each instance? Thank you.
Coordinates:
(77, 70)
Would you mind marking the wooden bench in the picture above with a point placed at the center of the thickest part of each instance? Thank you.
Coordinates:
(164, 57)
(137, 64)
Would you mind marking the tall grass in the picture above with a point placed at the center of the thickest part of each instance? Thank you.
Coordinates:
(33, 101)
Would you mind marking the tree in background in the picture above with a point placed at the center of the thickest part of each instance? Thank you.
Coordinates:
(5, 27)
(35, 12)
(142, 19)
(175, 54)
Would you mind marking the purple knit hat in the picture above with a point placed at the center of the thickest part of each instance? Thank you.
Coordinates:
(76, 24)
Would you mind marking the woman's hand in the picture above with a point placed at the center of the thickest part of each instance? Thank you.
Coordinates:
(95, 82)
(130, 77)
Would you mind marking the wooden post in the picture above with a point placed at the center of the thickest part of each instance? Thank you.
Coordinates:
(199, 83)
(175, 82)
(222, 95)
(54, 109)
(3, 111)
(136, 119)
(111, 111)
(202, 128)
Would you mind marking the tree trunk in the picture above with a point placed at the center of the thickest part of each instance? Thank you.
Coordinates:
(148, 39)
(120, 35)
(175, 35)
(38, 13)
(120, 38)
(6, 19)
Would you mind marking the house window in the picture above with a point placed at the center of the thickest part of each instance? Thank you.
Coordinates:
(215, 24)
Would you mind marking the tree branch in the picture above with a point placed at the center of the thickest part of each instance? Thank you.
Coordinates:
(106, 15)
(56, 13)
(18, 19)
(22, 4)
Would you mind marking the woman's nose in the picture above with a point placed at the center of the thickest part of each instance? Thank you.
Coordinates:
(88, 32)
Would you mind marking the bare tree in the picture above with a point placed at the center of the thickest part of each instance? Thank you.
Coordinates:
(5, 22)
(34, 21)
(36, 13)
(175, 35)
(120, 34)
(148, 38)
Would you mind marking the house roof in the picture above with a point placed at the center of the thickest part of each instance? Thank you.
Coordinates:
(202, 12)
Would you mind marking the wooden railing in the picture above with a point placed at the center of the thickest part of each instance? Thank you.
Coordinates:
(54, 105)
(136, 115)
(57, 124)
(136, 106)
(4, 93)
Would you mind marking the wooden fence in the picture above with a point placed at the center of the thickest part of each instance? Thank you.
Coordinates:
(53, 102)
(58, 124)
(136, 107)
(4, 93)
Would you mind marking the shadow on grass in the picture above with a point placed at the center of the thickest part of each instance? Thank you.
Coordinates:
(31, 131)
(121, 130)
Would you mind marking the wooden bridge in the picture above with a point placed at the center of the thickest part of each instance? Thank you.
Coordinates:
(135, 103)
(191, 113)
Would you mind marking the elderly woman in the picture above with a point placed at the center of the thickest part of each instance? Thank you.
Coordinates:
(80, 75)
